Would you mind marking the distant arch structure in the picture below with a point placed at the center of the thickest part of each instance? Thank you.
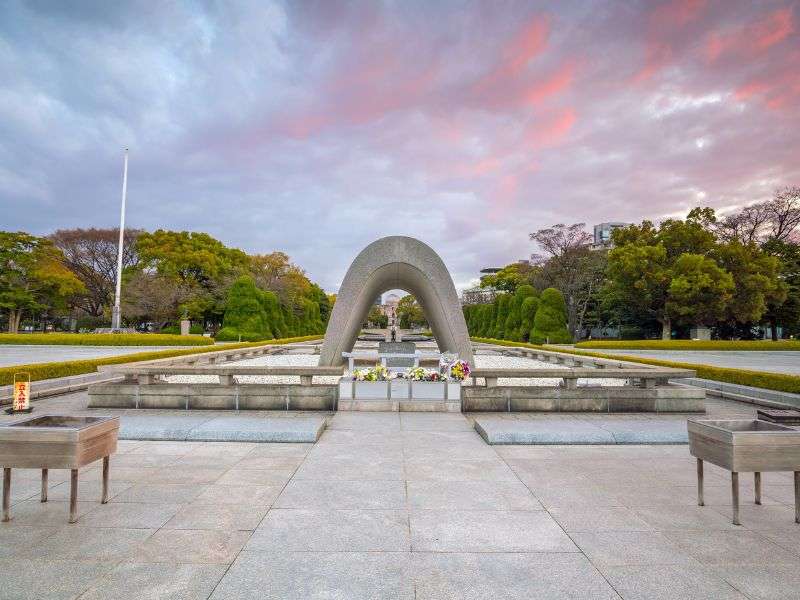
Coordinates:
(396, 262)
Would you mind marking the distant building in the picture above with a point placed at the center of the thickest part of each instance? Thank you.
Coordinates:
(602, 234)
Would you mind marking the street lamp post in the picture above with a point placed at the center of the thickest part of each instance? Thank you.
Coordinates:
(116, 317)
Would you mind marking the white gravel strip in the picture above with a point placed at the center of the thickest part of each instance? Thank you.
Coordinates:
(310, 360)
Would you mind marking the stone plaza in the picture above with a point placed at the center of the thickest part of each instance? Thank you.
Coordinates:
(398, 505)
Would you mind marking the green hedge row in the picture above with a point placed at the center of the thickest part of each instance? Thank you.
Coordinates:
(760, 379)
(40, 371)
(690, 345)
(103, 339)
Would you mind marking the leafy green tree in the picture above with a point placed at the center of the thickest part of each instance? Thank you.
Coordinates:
(409, 313)
(245, 312)
(785, 313)
(510, 277)
(33, 277)
(550, 322)
(699, 290)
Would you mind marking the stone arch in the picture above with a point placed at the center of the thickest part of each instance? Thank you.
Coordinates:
(396, 262)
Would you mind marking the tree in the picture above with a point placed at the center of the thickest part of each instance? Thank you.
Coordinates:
(786, 312)
(509, 277)
(573, 268)
(246, 312)
(32, 276)
(201, 265)
(91, 254)
(776, 219)
(152, 298)
(757, 282)
(550, 322)
(502, 303)
(376, 318)
(409, 313)
(699, 291)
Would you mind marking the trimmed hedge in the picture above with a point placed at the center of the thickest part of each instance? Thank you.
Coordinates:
(40, 371)
(760, 379)
(103, 339)
(755, 345)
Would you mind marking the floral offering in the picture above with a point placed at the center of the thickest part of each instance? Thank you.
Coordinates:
(459, 370)
(376, 373)
(420, 374)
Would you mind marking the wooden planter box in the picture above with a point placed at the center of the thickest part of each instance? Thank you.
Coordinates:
(56, 442)
(745, 445)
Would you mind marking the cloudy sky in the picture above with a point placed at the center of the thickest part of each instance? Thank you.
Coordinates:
(317, 127)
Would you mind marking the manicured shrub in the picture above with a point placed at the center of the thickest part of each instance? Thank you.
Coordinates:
(527, 314)
(512, 329)
(245, 312)
(550, 322)
(103, 339)
(502, 304)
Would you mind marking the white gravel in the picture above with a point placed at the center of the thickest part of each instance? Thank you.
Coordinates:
(310, 360)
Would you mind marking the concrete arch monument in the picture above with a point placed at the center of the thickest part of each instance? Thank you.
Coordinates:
(396, 262)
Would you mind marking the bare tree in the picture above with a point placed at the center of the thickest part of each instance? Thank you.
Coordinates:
(91, 254)
(776, 219)
(153, 297)
(571, 267)
(560, 238)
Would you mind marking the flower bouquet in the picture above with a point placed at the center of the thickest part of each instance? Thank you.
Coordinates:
(459, 370)
(420, 374)
(376, 373)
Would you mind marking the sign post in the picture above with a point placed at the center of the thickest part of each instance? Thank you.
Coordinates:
(21, 401)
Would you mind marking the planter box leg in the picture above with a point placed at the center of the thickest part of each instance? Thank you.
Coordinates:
(73, 496)
(44, 485)
(757, 484)
(735, 497)
(6, 494)
(700, 483)
(104, 499)
(797, 496)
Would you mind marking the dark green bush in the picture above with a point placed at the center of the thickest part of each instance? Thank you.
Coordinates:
(550, 322)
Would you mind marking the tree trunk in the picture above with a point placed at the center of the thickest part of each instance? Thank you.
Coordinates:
(14, 317)
(773, 326)
(666, 329)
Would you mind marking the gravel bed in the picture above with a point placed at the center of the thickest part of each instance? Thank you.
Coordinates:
(310, 360)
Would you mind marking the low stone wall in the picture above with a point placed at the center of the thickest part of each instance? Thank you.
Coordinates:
(213, 396)
(613, 399)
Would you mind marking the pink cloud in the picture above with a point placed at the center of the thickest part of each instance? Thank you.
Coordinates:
(752, 39)
(551, 131)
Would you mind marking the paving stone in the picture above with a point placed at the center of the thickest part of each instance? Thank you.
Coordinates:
(487, 531)
(763, 582)
(128, 515)
(756, 517)
(617, 548)
(667, 582)
(317, 576)
(257, 495)
(177, 493)
(505, 576)
(47, 514)
(738, 547)
(363, 467)
(354, 494)
(40, 579)
(332, 530)
(17, 538)
(473, 495)
(666, 517)
(73, 542)
(459, 470)
(250, 429)
(236, 476)
(226, 517)
(567, 431)
(615, 518)
(157, 582)
(176, 546)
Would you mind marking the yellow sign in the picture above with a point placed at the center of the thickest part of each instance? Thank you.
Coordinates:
(22, 393)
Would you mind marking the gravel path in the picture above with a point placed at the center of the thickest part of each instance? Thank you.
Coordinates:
(303, 360)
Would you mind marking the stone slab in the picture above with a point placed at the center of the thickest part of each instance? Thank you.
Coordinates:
(497, 430)
(222, 429)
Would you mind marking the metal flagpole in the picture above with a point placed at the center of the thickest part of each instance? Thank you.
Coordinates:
(116, 317)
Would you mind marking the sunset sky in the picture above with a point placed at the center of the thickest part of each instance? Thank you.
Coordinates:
(317, 127)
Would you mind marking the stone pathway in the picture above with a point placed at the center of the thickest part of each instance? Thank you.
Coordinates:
(399, 506)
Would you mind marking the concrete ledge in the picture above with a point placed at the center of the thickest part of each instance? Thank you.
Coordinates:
(501, 430)
(221, 429)
(603, 399)
(210, 396)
